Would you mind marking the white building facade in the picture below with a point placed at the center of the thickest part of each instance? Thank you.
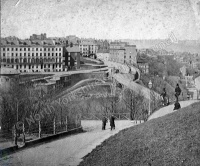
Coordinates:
(32, 56)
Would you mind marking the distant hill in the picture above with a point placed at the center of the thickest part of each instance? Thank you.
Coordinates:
(192, 46)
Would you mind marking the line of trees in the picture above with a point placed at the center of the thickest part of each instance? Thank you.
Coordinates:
(24, 105)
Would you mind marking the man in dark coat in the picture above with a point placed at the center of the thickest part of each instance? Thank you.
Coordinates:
(112, 122)
(104, 121)
(177, 91)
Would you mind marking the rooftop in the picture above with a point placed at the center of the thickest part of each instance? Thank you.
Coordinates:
(73, 49)
(87, 43)
(28, 42)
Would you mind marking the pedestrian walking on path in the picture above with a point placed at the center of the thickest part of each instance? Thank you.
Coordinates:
(104, 121)
(112, 122)
(177, 91)
(188, 95)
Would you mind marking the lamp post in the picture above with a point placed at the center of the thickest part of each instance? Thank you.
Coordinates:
(150, 86)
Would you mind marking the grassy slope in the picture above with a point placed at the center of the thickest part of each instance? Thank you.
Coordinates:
(170, 140)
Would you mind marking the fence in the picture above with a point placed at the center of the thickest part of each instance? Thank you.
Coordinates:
(25, 132)
(99, 116)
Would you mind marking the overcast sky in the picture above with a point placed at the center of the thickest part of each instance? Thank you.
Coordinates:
(111, 19)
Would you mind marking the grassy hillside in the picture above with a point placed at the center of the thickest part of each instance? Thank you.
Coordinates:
(170, 140)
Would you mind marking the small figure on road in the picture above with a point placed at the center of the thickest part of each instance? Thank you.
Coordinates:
(188, 95)
(177, 105)
(104, 121)
(112, 122)
(177, 91)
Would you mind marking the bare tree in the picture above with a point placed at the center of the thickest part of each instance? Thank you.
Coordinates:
(134, 103)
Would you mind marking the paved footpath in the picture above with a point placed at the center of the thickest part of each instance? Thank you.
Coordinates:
(67, 151)
(169, 109)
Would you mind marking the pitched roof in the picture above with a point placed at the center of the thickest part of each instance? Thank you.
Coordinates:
(73, 49)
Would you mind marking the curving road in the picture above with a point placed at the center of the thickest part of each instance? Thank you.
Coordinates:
(67, 151)
(128, 82)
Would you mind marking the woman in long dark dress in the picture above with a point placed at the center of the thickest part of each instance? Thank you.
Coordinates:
(112, 122)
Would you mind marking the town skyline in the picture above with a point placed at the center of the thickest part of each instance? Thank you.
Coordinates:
(113, 20)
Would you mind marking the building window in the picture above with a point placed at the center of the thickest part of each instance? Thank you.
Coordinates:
(7, 49)
(24, 49)
(56, 54)
(4, 54)
(4, 49)
(32, 49)
(40, 54)
(12, 49)
(48, 49)
(44, 49)
(36, 54)
(40, 49)
(12, 54)
(20, 54)
(59, 54)
(32, 54)
(28, 54)
(59, 49)
(52, 49)
(44, 54)
(20, 49)
(24, 54)
(48, 54)
(36, 50)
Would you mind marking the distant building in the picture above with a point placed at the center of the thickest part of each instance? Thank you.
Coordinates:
(72, 57)
(34, 55)
(88, 48)
(72, 39)
(103, 55)
(143, 65)
(102, 45)
(121, 52)
(38, 37)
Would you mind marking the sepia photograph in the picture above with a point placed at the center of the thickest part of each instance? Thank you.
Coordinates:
(100, 83)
